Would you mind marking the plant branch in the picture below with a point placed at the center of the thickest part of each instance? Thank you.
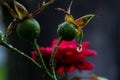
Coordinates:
(51, 63)
(35, 45)
(3, 43)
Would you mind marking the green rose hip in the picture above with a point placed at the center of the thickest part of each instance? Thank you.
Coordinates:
(28, 29)
(67, 31)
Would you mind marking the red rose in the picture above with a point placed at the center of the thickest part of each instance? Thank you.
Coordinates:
(67, 57)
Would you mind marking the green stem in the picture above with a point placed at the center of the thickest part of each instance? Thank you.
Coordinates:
(66, 74)
(51, 63)
(35, 45)
(3, 43)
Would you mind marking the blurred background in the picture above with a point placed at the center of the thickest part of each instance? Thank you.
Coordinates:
(102, 32)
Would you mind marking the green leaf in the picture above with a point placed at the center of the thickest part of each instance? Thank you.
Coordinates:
(20, 10)
(83, 21)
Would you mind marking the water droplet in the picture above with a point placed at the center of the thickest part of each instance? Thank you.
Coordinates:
(22, 53)
(10, 46)
(79, 48)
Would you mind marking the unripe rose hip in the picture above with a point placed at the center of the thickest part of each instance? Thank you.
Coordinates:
(28, 29)
(67, 31)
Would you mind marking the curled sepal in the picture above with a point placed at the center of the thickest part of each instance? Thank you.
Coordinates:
(10, 28)
(83, 21)
(20, 10)
(10, 9)
(69, 17)
(79, 35)
(79, 39)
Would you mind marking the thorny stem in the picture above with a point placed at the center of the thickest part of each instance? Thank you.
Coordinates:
(3, 43)
(35, 45)
(51, 63)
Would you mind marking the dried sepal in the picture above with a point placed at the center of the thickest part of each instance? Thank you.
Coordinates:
(79, 35)
(52, 1)
(10, 28)
(10, 9)
(83, 21)
(20, 10)
(42, 7)
(69, 8)
(79, 38)
(60, 9)
(68, 17)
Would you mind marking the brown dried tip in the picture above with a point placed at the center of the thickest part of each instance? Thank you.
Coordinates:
(10, 28)
(12, 12)
(42, 7)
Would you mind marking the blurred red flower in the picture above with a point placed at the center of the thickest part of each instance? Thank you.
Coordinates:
(67, 58)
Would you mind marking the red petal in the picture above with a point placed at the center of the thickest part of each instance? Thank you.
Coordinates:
(60, 70)
(85, 66)
(63, 69)
(90, 52)
(85, 45)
